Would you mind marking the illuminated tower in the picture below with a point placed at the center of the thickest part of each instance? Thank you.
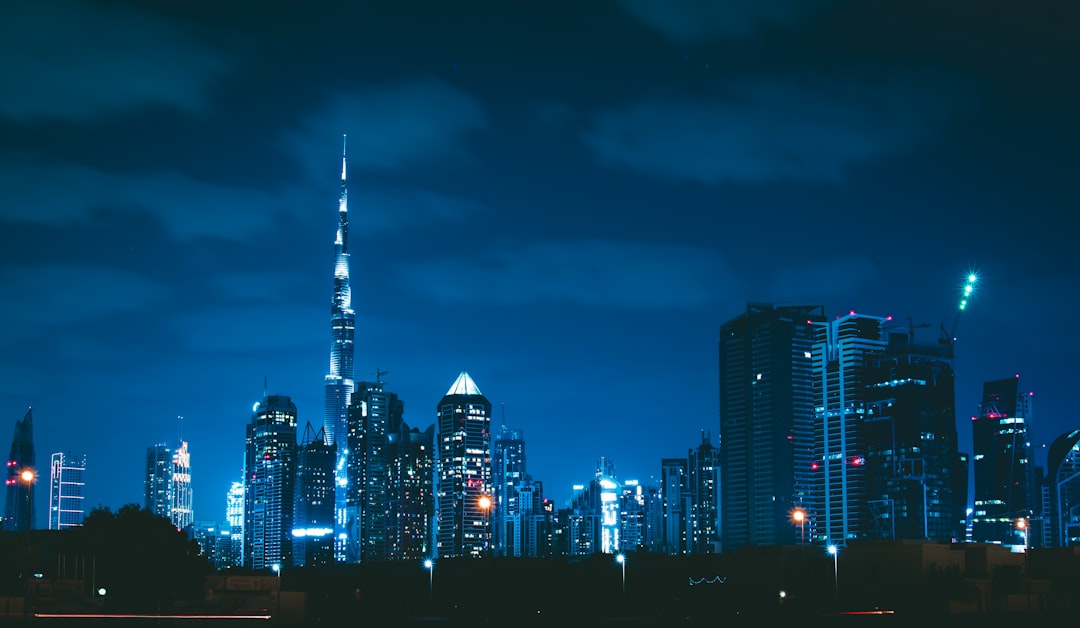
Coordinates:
(1003, 467)
(507, 474)
(842, 352)
(463, 470)
(66, 506)
(269, 478)
(313, 511)
(167, 483)
(21, 476)
(339, 381)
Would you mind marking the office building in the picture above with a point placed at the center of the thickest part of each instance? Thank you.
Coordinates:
(339, 382)
(374, 415)
(507, 474)
(463, 463)
(1002, 465)
(234, 524)
(1061, 486)
(766, 425)
(269, 478)
(21, 477)
(677, 500)
(313, 510)
(66, 506)
(167, 483)
(916, 478)
(703, 482)
(840, 504)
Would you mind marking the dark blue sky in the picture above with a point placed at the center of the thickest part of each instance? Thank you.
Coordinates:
(564, 199)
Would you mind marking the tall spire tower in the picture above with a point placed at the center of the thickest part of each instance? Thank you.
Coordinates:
(339, 381)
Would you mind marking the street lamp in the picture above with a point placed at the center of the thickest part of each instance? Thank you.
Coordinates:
(799, 516)
(485, 505)
(621, 559)
(28, 476)
(430, 566)
(836, 574)
(277, 569)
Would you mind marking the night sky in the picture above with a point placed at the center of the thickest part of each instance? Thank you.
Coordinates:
(564, 199)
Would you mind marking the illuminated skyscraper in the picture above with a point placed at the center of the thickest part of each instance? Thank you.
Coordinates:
(269, 478)
(703, 464)
(507, 473)
(234, 516)
(1003, 467)
(766, 423)
(464, 470)
(167, 483)
(339, 381)
(66, 506)
(843, 349)
(313, 513)
(1061, 488)
(21, 476)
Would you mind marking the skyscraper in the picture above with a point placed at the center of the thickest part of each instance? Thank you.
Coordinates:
(1062, 489)
(234, 516)
(917, 480)
(66, 506)
(463, 470)
(269, 477)
(375, 415)
(1003, 467)
(843, 349)
(339, 381)
(766, 423)
(675, 496)
(704, 483)
(167, 483)
(313, 510)
(21, 476)
(507, 473)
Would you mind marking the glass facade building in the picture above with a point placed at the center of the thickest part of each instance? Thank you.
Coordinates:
(463, 466)
(269, 479)
(21, 477)
(66, 505)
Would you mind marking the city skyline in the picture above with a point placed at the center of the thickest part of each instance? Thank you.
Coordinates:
(566, 204)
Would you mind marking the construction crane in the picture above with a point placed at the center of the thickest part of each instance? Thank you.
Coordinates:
(948, 336)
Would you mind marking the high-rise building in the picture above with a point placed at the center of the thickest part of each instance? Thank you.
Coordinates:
(339, 380)
(766, 423)
(234, 518)
(703, 464)
(1003, 468)
(676, 498)
(269, 478)
(374, 415)
(167, 483)
(842, 351)
(463, 463)
(916, 479)
(507, 473)
(21, 476)
(1061, 488)
(66, 506)
(412, 498)
(313, 510)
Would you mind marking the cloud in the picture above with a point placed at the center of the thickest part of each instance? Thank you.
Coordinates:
(187, 208)
(71, 60)
(697, 22)
(823, 281)
(40, 298)
(618, 275)
(767, 130)
(235, 329)
(391, 127)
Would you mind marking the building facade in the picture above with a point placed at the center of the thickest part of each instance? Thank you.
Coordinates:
(339, 383)
(313, 505)
(766, 422)
(1002, 464)
(67, 509)
(507, 475)
(21, 477)
(703, 464)
(463, 497)
(1061, 488)
(269, 478)
(167, 488)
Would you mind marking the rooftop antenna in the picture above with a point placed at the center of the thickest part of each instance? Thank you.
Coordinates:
(502, 406)
(180, 418)
(265, 380)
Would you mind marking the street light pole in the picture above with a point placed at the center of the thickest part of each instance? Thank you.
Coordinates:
(836, 575)
(621, 559)
(28, 476)
(430, 565)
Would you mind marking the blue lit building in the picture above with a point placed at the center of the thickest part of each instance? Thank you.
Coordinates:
(463, 470)
(21, 476)
(269, 481)
(313, 510)
(66, 505)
